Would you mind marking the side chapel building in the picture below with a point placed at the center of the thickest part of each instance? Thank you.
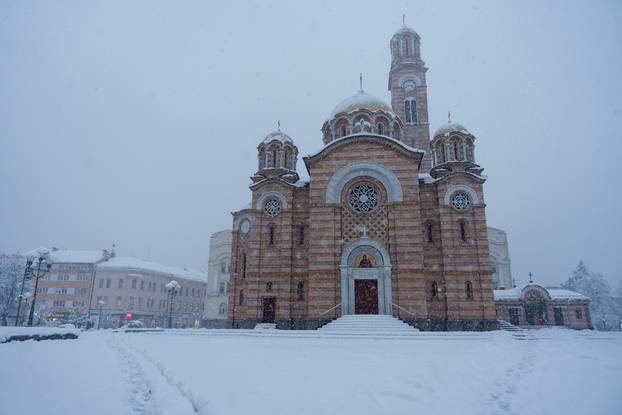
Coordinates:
(390, 221)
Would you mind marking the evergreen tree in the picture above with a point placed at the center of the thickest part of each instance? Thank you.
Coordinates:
(605, 311)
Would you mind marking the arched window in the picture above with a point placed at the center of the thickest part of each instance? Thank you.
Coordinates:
(462, 231)
(301, 234)
(429, 233)
(343, 131)
(269, 286)
(457, 151)
(274, 158)
(241, 297)
(434, 289)
(300, 291)
(468, 290)
(578, 313)
(286, 162)
(244, 265)
(222, 309)
(271, 234)
(406, 46)
(380, 129)
(410, 110)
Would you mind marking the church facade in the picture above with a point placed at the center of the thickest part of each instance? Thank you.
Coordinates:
(390, 221)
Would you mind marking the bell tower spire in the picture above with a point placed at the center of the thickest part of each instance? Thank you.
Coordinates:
(407, 83)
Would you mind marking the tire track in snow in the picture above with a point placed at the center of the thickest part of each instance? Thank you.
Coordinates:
(151, 393)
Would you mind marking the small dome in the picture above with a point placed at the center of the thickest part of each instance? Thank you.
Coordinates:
(360, 100)
(277, 135)
(451, 127)
(405, 29)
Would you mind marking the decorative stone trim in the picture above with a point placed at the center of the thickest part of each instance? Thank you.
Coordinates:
(379, 172)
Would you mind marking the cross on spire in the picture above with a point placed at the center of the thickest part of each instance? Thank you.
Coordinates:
(530, 278)
(404, 19)
(278, 124)
(361, 81)
(448, 117)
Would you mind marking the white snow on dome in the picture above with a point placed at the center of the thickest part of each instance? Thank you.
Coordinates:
(450, 127)
(277, 135)
(360, 100)
(405, 29)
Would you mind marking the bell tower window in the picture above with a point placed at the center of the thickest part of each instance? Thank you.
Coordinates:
(410, 110)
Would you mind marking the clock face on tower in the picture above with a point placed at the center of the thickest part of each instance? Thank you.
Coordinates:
(245, 226)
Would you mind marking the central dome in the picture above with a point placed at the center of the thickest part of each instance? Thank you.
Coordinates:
(360, 100)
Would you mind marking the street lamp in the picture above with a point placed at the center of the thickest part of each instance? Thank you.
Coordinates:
(101, 304)
(172, 288)
(42, 256)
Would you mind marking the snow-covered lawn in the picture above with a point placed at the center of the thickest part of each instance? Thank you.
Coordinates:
(551, 371)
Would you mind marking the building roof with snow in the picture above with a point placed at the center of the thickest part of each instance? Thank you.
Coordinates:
(68, 256)
(135, 264)
(553, 293)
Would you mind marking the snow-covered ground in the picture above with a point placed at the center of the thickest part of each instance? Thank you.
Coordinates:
(550, 371)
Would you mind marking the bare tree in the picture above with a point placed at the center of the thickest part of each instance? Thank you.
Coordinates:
(11, 275)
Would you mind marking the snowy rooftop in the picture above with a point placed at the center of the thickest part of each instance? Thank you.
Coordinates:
(555, 293)
(450, 127)
(277, 135)
(128, 263)
(76, 257)
(365, 134)
(360, 100)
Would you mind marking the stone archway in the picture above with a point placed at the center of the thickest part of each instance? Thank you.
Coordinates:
(365, 278)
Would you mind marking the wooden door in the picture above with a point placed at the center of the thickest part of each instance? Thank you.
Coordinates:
(366, 296)
(269, 310)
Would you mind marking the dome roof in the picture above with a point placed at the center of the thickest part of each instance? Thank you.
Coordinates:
(360, 100)
(449, 128)
(277, 135)
(405, 29)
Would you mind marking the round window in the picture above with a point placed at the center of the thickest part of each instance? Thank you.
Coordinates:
(272, 206)
(461, 201)
(363, 197)
(245, 226)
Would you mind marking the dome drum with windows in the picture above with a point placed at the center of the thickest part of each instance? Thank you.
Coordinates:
(362, 114)
(277, 156)
(453, 148)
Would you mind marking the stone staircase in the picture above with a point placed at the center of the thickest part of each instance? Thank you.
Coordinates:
(504, 325)
(368, 325)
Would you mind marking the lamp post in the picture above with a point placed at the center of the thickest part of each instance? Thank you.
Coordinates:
(101, 304)
(42, 255)
(172, 288)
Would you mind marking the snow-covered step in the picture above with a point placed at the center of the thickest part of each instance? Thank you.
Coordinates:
(265, 326)
(368, 325)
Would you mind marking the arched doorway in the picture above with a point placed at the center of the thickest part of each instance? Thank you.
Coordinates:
(534, 303)
(365, 278)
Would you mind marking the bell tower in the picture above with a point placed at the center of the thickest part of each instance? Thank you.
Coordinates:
(409, 97)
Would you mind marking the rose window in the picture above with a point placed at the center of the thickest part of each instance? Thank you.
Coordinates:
(272, 207)
(461, 201)
(363, 197)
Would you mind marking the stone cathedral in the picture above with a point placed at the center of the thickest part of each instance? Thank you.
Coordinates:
(390, 221)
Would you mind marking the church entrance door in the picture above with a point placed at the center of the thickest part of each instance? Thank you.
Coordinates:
(269, 310)
(366, 296)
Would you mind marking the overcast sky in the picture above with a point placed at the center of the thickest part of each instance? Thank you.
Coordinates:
(136, 122)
